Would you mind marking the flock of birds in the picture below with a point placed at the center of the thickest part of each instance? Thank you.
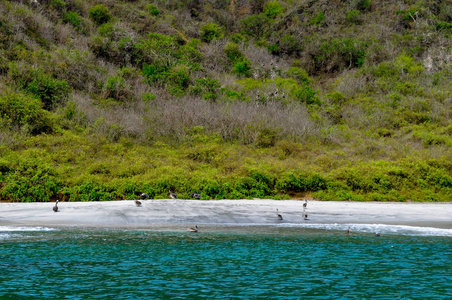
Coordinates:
(144, 196)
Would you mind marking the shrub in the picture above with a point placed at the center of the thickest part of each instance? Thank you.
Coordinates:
(289, 44)
(272, 9)
(242, 67)
(58, 4)
(74, 19)
(100, 14)
(306, 95)
(317, 20)
(210, 32)
(25, 110)
(255, 26)
(206, 87)
(233, 53)
(153, 10)
(30, 179)
(298, 74)
(353, 16)
(50, 90)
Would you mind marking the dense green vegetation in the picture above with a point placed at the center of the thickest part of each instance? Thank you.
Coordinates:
(338, 100)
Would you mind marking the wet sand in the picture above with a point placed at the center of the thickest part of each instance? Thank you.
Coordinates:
(175, 212)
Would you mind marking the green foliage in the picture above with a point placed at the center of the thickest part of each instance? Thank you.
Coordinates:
(299, 74)
(306, 95)
(352, 112)
(242, 67)
(237, 38)
(210, 32)
(30, 179)
(318, 19)
(345, 52)
(206, 87)
(100, 14)
(25, 110)
(255, 26)
(353, 16)
(50, 90)
(168, 62)
(153, 10)
(407, 66)
(289, 44)
(233, 53)
(299, 182)
(74, 19)
(58, 4)
(272, 9)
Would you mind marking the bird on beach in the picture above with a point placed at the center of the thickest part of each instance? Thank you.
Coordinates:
(172, 195)
(193, 229)
(137, 203)
(348, 231)
(144, 196)
(279, 215)
(55, 208)
(305, 215)
(377, 234)
(195, 195)
(305, 204)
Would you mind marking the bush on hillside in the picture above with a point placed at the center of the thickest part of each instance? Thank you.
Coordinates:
(100, 14)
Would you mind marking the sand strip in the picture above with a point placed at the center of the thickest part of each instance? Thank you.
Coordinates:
(258, 212)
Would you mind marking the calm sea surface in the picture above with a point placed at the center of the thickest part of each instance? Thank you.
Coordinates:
(254, 262)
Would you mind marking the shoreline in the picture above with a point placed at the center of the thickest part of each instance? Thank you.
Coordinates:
(178, 212)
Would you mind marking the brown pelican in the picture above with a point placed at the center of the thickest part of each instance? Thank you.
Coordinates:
(305, 204)
(278, 215)
(193, 229)
(55, 208)
(172, 195)
(144, 196)
(195, 195)
(137, 203)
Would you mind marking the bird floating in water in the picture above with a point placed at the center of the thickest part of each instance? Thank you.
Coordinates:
(377, 234)
(278, 215)
(137, 203)
(144, 196)
(55, 208)
(193, 229)
(305, 214)
(172, 195)
(195, 195)
(305, 204)
(348, 231)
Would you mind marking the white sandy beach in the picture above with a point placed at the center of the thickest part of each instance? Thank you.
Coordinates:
(170, 212)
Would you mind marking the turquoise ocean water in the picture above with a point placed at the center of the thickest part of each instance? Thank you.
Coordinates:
(226, 262)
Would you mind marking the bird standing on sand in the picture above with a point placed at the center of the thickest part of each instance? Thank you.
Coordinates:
(172, 195)
(137, 203)
(278, 215)
(305, 204)
(55, 208)
(144, 196)
(193, 229)
(305, 214)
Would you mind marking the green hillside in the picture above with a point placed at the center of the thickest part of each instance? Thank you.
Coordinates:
(335, 100)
